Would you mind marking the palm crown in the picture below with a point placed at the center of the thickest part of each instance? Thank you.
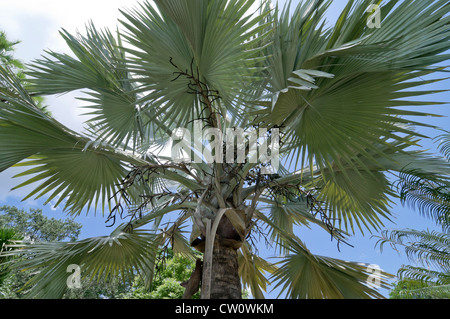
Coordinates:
(338, 96)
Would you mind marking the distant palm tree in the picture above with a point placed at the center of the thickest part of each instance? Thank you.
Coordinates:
(331, 95)
(429, 250)
(429, 194)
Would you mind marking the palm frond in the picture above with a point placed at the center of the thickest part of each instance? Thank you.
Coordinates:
(429, 248)
(200, 37)
(174, 235)
(355, 199)
(304, 275)
(67, 165)
(284, 216)
(424, 275)
(30, 137)
(444, 144)
(432, 292)
(429, 195)
(254, 271)
(371, 72)
(99, 66)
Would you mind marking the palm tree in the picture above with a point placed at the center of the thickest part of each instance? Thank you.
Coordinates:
(430, 250)
(428, 194)
(327, 98)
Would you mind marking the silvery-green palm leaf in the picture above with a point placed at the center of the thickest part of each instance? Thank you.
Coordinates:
(306, 276)
(348, 80)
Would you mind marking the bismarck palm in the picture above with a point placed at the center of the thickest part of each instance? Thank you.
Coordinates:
(332, 93)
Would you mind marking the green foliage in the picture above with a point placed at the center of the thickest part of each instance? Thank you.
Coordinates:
(429, 194)
(417, 289)
(18, 224)
(6, 52)
(170, 272)
(35, 226)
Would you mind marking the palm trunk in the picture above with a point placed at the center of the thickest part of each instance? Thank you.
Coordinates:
(225, 280)
(220, 275)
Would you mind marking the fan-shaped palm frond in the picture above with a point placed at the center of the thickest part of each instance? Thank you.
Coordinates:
(363, 95)
(69, 166)
(304, 275)
(100, 67)
(207, 39)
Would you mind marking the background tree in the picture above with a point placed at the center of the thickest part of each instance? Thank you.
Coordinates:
(17, 224)
(411, 289)
(171, 272)
(8, 61)
(332, 94)
(7, 52)
(35, 226)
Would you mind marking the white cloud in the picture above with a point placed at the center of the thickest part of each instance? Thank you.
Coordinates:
(37, 23)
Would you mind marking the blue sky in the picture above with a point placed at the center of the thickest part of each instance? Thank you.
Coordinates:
(36, 24)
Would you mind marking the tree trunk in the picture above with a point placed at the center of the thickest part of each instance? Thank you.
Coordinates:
(225, 280)
(220, 275)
